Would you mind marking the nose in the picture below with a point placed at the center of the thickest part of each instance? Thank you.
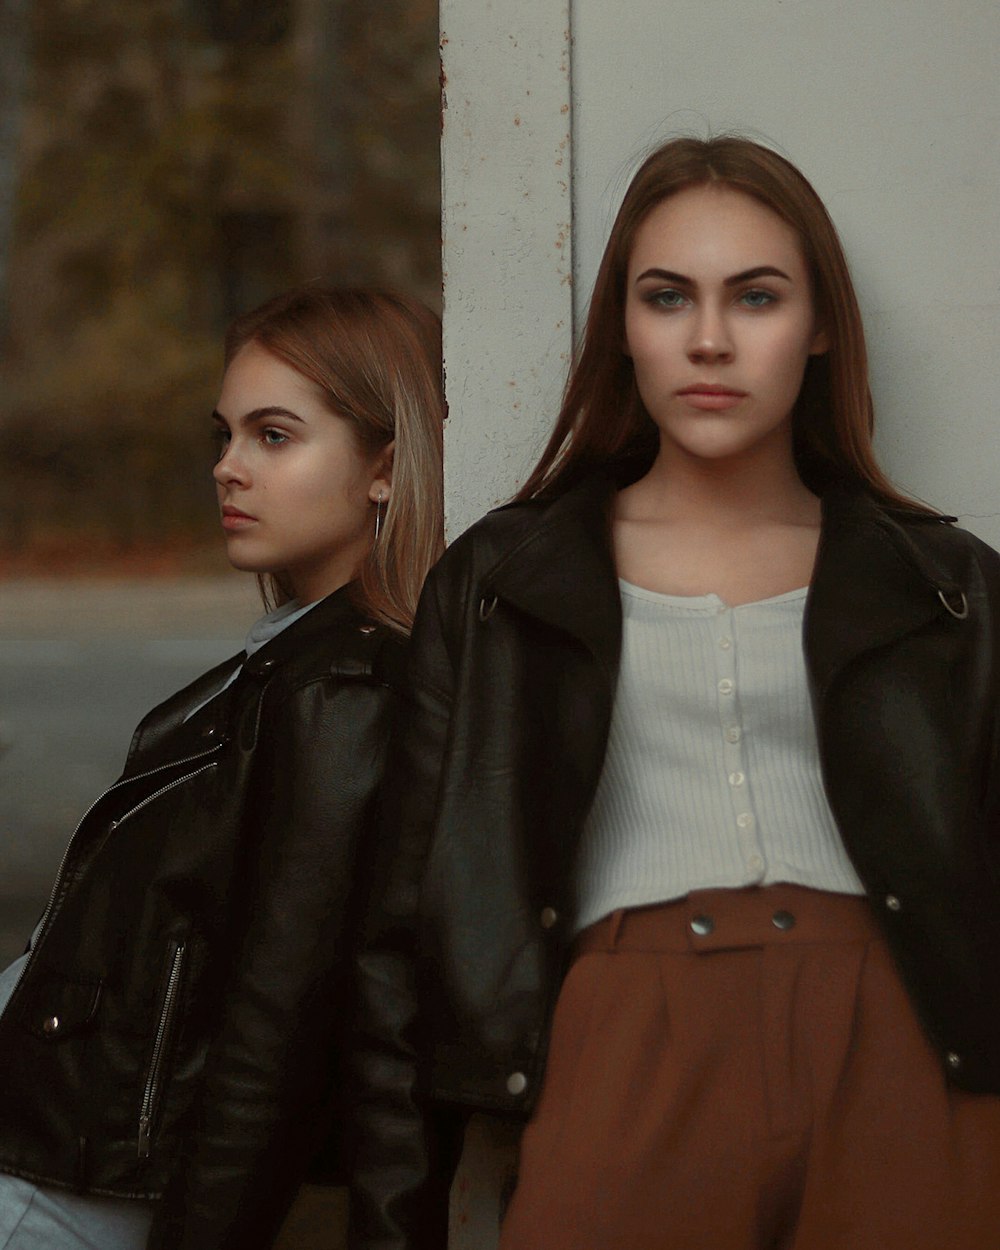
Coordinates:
(229, 470)
(710, 337)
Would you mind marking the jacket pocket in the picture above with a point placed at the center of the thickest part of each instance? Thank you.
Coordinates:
(162, 1039)
(59, 1007)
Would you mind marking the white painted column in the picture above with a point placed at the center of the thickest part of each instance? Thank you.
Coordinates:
(506, 203)
(508, 333)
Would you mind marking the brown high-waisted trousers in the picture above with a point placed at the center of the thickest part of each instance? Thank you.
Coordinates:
(742, 1070)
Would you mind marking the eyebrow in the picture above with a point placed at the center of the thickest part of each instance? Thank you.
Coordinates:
(748, 275)
(259, 414)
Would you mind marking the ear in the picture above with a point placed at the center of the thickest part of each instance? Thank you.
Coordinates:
(820, 344)
(381, 483)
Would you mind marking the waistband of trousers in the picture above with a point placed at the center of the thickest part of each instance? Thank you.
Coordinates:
(728, 919)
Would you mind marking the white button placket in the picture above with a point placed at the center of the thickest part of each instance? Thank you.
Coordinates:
(734, 748)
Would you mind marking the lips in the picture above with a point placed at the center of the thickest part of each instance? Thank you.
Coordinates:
(711, 396)
(233, 519)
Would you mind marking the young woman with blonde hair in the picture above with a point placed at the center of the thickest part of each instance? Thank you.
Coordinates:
(169, 1043)
(697, 799)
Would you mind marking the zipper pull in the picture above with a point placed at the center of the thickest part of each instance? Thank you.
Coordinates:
(144, 1136)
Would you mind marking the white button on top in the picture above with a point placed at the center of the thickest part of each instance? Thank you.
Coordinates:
(725, 686)
(736, 779)
(725, 643)
(733, 733)
(744, 820)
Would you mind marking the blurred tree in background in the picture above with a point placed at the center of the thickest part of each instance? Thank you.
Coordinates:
(164, 166)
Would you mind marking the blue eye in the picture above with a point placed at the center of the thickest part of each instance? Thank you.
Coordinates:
(273, 438)
(667, 297)
(757, 298)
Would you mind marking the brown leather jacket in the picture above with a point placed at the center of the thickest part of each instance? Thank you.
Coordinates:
(175, 1025)
(513, 670)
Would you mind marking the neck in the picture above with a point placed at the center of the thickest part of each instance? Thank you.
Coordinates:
(764, 485)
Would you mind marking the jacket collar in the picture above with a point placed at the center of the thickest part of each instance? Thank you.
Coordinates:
(346, 631)
(350, 641)
(874, 581)
(563, 572)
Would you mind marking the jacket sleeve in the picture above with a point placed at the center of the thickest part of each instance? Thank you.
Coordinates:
(260, 1109)
(405, 1149)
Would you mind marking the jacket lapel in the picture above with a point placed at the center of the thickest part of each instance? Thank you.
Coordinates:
(563, 571)
(872, 584)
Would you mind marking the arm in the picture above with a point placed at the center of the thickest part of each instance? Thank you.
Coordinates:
(255, 1124)
(404, 1152)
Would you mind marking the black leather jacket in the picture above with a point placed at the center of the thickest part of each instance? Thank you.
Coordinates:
(174, 1027)
(513, 669)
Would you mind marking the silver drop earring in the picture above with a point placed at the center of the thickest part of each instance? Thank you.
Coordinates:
(378, 516)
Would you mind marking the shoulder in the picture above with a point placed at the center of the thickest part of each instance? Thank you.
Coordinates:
(499, 535)
(955, 547)
(336, 642)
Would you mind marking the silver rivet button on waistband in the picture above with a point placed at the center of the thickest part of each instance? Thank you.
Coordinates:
(783, 920)
(517, 1083)
(893, 903)
(953, 1060)
(51, 1025)
(549, 917)
(702, 925)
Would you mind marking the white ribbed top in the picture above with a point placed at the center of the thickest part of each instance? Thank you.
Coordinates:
(711, 776)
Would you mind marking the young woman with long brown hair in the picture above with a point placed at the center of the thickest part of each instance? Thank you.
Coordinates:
(169, 1043)
(697, 797)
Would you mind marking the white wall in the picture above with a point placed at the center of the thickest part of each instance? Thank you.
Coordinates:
(891, 109)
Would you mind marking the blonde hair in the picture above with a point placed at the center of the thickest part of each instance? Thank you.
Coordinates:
(376, 358)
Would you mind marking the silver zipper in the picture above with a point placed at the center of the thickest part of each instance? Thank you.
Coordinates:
(40, 928)
(151, 1091)
(179, 781)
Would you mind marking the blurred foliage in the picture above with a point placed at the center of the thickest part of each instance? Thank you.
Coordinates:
(180, 161)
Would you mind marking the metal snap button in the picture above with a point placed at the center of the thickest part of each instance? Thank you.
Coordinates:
(266, 666)
(549, 917)
(366, 629)
(517, 1083)
(953, 1060)
(783, 920)
(702, 925)
(893, 903)
(51, 1025)
(209, 731)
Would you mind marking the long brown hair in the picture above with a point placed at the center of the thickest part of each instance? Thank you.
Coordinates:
(603, 422)
(375, 356)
